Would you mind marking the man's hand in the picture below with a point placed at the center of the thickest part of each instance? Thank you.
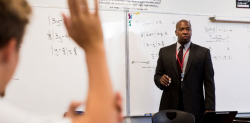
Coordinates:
(84, 27)
(165, 80)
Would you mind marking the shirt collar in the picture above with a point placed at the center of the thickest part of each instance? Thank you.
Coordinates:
(186, 46)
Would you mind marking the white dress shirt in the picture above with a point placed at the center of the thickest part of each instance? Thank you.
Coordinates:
(186, 46)
(11, 114)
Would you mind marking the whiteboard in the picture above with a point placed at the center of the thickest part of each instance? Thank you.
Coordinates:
(52, 70)
(229, 45)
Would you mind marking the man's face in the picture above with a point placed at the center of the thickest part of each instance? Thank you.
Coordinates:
(183, 32)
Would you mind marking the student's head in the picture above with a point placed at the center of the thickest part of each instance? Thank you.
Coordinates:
(183, 31)
(13, 20)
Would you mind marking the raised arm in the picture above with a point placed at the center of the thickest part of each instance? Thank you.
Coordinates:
(85, 28)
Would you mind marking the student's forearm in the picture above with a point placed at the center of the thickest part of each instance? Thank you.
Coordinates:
(85, 28)
(100, 96)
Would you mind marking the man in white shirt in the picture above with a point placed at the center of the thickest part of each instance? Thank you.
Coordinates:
(85, 28)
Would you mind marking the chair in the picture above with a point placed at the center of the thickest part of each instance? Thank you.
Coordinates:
(172, 116)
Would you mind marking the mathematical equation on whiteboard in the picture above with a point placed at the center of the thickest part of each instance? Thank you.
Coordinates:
(151, 38)
(148, 23)
(222, 57)
(218, 34)
(64, 51)
(247, 28)
(55, 36)
(218, 29)
(218, 38)
(153, 34)
(59, 39)
(154, 44)
(146, 65)
(150, 69)
(55, 21)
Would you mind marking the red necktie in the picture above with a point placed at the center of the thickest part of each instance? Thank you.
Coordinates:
(180, 56)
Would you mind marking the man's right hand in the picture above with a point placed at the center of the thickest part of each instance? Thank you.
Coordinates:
(165, 80)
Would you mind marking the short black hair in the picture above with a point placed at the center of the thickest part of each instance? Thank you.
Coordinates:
(177, 24)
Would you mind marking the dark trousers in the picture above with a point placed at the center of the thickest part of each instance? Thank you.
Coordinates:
(180, 104)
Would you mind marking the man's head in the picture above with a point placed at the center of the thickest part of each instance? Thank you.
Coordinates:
(183, 31)
(13, 20)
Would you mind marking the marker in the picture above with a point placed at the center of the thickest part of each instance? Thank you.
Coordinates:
(169, 80)
(137, 13)
(79, 112)
(148, 114)
(76, 112)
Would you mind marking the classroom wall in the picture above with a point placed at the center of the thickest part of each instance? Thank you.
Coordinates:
(213, 7)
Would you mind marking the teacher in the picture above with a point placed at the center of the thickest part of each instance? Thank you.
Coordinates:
(182, 70)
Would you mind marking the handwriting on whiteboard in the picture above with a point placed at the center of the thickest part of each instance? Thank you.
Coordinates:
(55, 36)
(63, 51)
(247, 29)
(222, 57)
(55, 21)
(218, 29)
(59, 40)
(154, 44)
(218, 38)
(149, 68)
(148, 22)
(140, 62)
